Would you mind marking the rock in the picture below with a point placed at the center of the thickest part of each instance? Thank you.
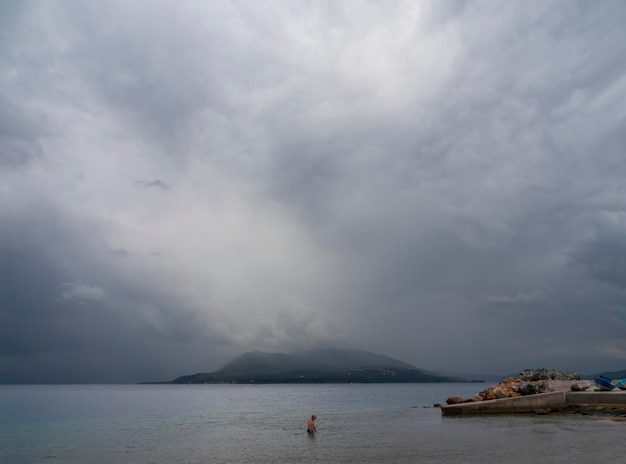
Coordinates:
(455, 400)
(529, 388)
(533, 375)
(528, 382)
(581, 386)
(501, 392)
(509, 388)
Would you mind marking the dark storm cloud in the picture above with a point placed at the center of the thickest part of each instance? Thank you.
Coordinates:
(603, 255)
(441, 182)
(66, 320)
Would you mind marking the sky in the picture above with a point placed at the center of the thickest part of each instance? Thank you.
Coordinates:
(443, 182)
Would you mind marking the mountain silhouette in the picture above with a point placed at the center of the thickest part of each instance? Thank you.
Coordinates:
(316, 366)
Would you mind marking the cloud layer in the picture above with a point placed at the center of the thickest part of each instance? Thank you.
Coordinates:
(441, 182)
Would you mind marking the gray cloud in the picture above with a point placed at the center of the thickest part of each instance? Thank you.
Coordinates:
(441, 182)
(603, 255)
(81, 292)
(20, 138)
(156, 183)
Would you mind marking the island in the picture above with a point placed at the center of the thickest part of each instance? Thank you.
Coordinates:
(315, 366)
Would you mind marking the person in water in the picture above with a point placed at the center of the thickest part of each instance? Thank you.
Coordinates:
(310, 425)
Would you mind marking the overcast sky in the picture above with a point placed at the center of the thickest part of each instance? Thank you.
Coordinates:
(181, 182)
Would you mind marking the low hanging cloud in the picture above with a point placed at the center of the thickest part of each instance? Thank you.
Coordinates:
(81, 292)
(156, 183)
(528, 297)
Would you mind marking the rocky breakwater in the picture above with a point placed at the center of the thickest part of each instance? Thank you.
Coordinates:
(527, 382)
(540, 391)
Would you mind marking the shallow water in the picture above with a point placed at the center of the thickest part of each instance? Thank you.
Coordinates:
(369, 423)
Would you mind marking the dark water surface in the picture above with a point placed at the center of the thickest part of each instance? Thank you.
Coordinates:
(370, 423)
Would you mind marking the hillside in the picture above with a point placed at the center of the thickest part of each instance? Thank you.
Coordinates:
(316, 366)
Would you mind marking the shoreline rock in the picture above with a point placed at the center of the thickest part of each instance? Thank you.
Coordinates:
(527, 382)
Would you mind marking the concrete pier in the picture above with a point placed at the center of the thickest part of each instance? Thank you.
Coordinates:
(541, 403)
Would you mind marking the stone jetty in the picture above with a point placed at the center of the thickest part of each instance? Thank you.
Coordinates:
(539, 391)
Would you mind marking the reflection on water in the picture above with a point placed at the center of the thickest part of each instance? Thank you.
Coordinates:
(267, 424)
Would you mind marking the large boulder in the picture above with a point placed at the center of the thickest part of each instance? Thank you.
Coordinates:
(530, 388)
(455, 400)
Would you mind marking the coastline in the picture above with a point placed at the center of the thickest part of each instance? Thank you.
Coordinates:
(559, 397)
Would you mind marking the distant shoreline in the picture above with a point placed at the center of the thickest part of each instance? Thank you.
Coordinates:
(304, 383)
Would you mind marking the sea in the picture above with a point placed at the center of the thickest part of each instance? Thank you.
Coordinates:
(357, 423)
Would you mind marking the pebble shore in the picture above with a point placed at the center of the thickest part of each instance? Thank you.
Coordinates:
(614, 411)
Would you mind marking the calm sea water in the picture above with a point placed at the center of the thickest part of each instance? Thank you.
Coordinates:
(372, 423)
